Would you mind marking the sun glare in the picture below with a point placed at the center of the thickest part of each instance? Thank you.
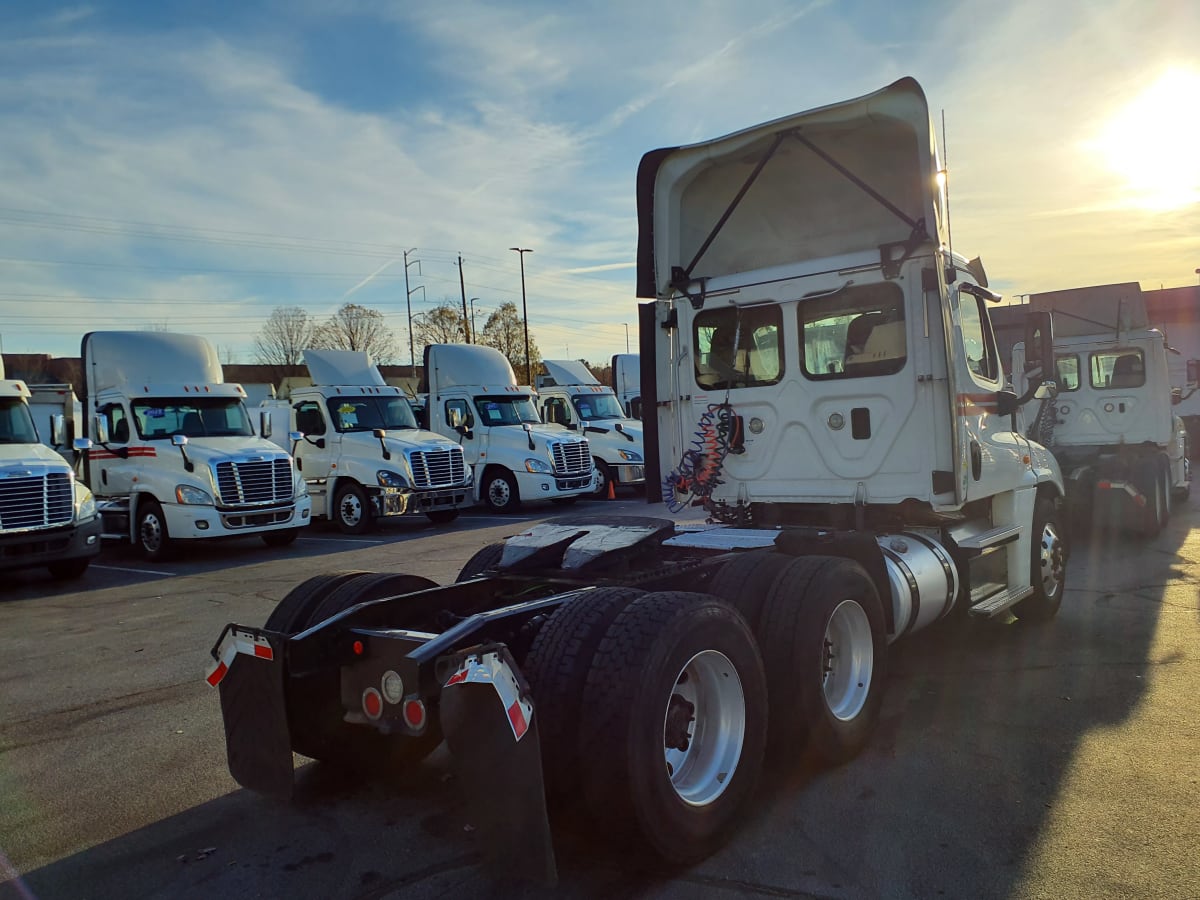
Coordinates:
(1154, 143)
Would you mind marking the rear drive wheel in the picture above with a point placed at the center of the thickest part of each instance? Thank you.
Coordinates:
(499, 490)
(557, 667)
(280, 538)
(673, 724)
(1148, 484)
(442, 516)
(746, 580)
(825, 650)
(1047, 566)
(352, 510)
(484, 559)
(152, 535)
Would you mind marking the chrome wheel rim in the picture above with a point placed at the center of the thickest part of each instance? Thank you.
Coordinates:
(352, 510)
(152, 533)
(704, 728)
(1050, 560)
(848, 660)
(499, 493)
(601, 481)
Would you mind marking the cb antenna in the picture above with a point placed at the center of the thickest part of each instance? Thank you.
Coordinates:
(946, 185)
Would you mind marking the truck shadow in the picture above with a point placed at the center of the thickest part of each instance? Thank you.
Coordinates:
(953, 797)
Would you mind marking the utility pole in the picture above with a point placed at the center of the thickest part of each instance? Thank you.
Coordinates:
(468, 327)
(412, 356)
(473, 331)
(521, 251)
(626, 337)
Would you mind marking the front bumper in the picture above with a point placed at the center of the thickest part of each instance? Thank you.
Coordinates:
(28, 549)
(391, 502)
(625, 473)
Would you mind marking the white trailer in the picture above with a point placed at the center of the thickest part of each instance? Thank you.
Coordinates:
(474, 398)
(361, 453)
(570, 395)
(1112, 425)
(829, 389)
(47, 402)
(175, 456)
(47, 517)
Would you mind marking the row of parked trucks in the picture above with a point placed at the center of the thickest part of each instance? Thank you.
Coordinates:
(168, 451)
(819, 372)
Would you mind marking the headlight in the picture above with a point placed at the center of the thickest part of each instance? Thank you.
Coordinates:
(192, 496)
(630, 455)
(539, 467)
(388, 478)
(85, 503)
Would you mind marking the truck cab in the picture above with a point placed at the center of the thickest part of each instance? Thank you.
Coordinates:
(362, 454)
(570, 395)
(47, 517)
(474, 398)
(175, 455)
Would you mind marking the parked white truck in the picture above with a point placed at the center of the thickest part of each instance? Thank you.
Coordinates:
(48, 402)
(175, 456)
(47, 518)
(570, 395)
(362, 455)
(828, 380)
(473, 397)
(1112, 427)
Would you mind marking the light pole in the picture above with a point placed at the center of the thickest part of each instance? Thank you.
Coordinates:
(412, 356)
(473, 331)
(521, 251)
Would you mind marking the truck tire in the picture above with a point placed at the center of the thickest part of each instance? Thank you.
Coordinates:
(153, 538)
(1148, 518)
(603, 478)
(824, 646)
(499, 490)
(69, 569)
(352, 509)
(673, 724)
(487, 558)
(315, 714)
(1048, 564)
(442, 516)
(1164, 478)
(557, 667)
(280, 538)
(292, 612)
(746, 580)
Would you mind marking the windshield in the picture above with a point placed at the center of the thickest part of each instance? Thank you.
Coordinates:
(506, 410)
(16, 424)
(159, 418)
(597, 406)
(369, 413)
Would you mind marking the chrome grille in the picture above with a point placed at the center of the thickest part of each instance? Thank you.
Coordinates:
(437, 468)
(254, 481)
(36, 501)
(572, 458)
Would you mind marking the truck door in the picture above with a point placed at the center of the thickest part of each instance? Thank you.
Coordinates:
(113, 464)
(314, 461)
(458, 409)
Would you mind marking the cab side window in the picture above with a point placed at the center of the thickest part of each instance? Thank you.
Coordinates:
(457, 410)
(556, 411)
(857, 332)
(1118, 369)
(733, 351)
(1068, 372)
(309, 419)
(118, 423)
(978, 344)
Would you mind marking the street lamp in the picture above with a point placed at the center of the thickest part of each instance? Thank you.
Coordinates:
(473, 331)
(521, 251)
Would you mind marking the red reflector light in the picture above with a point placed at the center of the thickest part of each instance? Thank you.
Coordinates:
(372, 703)
(263, 652)
(358, 648)
(217, 674)
(414, 714)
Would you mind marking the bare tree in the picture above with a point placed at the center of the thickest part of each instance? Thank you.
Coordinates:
(441, 325)
(355, 327)
(505, 331)
(282, 340)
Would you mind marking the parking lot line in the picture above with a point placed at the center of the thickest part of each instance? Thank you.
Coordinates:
(342, 540)
(139, 571)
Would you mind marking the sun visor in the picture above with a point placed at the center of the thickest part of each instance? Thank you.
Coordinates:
(833, 182)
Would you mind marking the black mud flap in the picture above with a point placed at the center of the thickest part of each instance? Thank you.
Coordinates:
(487, 717)
(254, 708)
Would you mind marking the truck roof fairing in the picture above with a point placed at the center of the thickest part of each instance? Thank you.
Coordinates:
(839, 180)
(568, 372)
(342, 367)
(114, 359)
(468, 366)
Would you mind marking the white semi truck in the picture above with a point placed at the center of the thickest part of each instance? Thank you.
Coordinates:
(828, 387)
(570, 395)
(473, 398)
(47, 518)
(362, 455)
(1122, 449)
(175, 456)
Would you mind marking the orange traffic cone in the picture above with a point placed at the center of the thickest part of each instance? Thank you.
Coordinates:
(612, 494)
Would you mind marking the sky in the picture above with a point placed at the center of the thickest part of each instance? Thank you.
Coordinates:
(192, 167)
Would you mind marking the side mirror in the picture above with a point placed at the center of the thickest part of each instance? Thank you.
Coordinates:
(179, 440)
(975, 267)
(82, 444)
(100, 427)
(1045, 391)
(1176, 396)
(379, 434)
(455, 418)
(1193, 372)
(1039, 345)
(264, 424)
(295, 436)
(58, 427)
